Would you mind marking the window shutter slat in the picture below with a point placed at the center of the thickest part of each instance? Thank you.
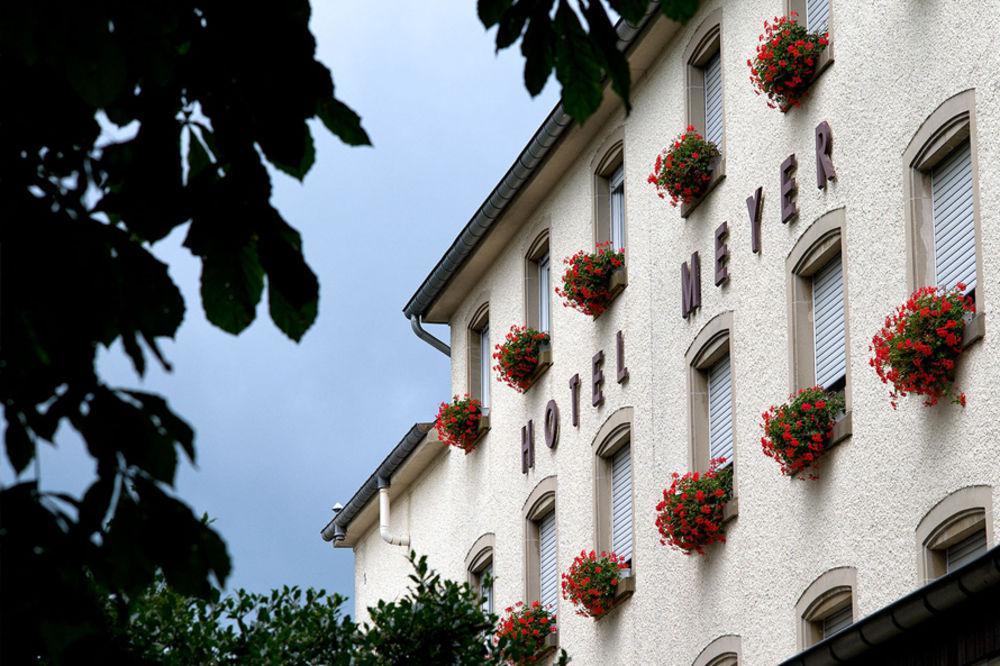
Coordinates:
(713, 100)
(966, 550)
(616, 184)
(817, 15)
(838, 621)
(954, 220)
(544, 298)
(484, 365)
(621, 503)
(830, 351)
(548, 569)
(720, 411)
(486, 588)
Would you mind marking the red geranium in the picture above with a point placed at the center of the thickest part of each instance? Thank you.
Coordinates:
(517, 356)
(522, 630)
(684, 170)
(918, 347)
(586, 282)
(591, 582)
(786, 61)
(457, 423)
(690, 516)
(797, 432)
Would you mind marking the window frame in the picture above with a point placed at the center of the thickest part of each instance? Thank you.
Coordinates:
(540, 502)
(479, 322)
(537, 251)
(952, 123)
(610, 156)
(614, 434)
(723, 651)
(826, 58)
(480, 556)
(712, 343)
(956, 516)
(818, 245)
(829, 593)
(703, 44)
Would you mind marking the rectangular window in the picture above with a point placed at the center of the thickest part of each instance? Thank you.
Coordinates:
(621, 503)
(713, 99)
(817, 15)
(720, 411)
(544, 295)
(965, 550)
(829, 346)
(954, 220)
(616, 186)
(837, 621)
(486, 588)
(548, 567)
(484, 365)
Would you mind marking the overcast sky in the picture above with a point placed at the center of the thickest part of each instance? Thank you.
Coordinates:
(283, 430)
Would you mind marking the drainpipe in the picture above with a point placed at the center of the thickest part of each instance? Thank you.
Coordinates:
(427, 337)
(383, 515)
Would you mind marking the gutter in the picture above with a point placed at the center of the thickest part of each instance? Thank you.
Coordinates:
(527, 164)
(336, 529)
(979, 577)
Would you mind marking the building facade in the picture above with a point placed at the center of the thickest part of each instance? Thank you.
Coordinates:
(819, 222)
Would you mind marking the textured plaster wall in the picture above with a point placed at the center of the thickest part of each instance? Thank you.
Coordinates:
(896, 61)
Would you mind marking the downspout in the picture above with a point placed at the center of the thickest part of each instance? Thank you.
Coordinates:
(427, 337)
(383, 515)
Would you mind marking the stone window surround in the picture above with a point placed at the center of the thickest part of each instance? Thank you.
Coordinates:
(820, 242)
(541, 500)
(480, 555)
(953, 518)
(479, 318)
(723, 651)
(712, 342)
(609, 156)
(703, 44)
(949, 125)
(539, 248)
(830, 592)
(826, 57)
(615, 433)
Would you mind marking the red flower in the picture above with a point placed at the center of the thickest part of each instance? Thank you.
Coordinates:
(690, 516)
(785, 83)
(683, 172)
(457, 424)
(517, 357)
(522, 630)
(587, 280)
(795, 432)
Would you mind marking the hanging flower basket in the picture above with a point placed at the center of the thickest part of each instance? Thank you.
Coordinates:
(798, 432)
(525, 633)
(592, 583)
(522, 357)
(684, 170)
(786, 61)
(462, 423)
(690, 516)
(918, 348)
(591, 281)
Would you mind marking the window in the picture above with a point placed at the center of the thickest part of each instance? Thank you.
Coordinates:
(827, 606)
(710, 395)
(956, 531)
(942, 203)
(817, 311)
(541, 545)
(479, 565)
(608, 167)
(613, 501)
(538, 284)
(480, 376)
(723, 651)
(817, 15)
(704, 99)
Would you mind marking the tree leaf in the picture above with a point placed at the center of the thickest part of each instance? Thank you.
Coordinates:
(343, 121)
(605, 38)
(679, 10)
(292, 287)
(19, 444)
(231, 286)
(538, 48)
(630, 10)
(168, 423)
(490, 11)
(578, 66)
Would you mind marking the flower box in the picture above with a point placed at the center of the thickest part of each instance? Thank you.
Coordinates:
(544, 361)
(691, 515)
(522, 357)
(461, 423)
(684, 171)
(718, 172)
(616, 285)
(799, 432)
(787, 61)
(593, 280)
(592, 583)
(526, 633)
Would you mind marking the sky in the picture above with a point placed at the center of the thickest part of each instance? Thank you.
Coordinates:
(283, 431)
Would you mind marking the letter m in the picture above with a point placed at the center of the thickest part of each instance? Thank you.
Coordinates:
(690, 286)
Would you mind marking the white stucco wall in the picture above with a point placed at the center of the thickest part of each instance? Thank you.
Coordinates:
(896, 61)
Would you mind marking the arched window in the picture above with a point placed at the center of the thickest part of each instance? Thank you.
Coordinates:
(480, 374)
(723, 651)
(955, 531)
(538, 284)
(704, 98)
(827, 606)
(710, 397)
(479, 566)
(541, 574)
(818, 327)
(608, 168)
(942, 203)
(613, 494)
